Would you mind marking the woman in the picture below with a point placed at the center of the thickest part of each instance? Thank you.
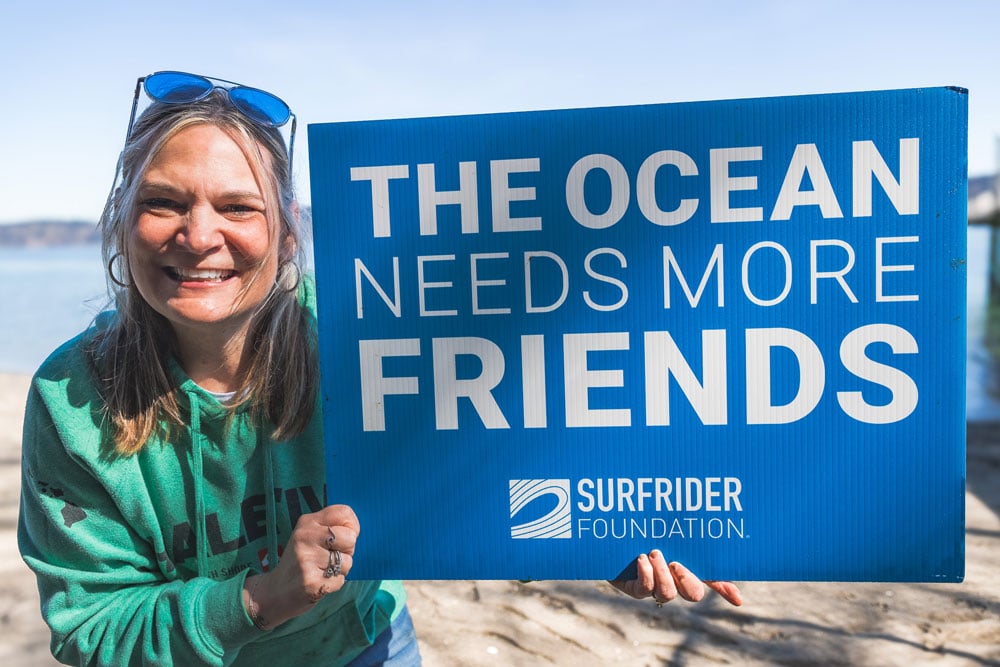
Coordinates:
(173, 502)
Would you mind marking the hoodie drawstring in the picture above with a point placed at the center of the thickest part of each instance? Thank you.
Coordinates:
(197, 472)
(270, 512)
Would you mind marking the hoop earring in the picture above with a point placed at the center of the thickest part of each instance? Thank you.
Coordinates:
(281, 281)
(111, 270)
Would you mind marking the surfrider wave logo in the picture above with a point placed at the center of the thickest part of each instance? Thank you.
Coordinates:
(557, 524)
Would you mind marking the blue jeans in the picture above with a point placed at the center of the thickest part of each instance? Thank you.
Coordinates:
(396, 647)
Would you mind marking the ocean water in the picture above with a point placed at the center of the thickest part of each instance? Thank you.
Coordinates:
(48, 295)
(983, 314)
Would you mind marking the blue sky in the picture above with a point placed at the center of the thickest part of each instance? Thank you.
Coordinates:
(69, 69)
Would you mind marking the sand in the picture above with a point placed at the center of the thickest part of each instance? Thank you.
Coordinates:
(469, 623)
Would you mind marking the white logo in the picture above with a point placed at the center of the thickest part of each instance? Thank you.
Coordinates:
(556, 524)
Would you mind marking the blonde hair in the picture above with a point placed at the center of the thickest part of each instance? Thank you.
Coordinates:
(131, 357)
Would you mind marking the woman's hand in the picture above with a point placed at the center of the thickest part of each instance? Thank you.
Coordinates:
(665, 581)
(315, 562)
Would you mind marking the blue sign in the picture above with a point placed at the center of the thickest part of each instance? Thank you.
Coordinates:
(734, 331)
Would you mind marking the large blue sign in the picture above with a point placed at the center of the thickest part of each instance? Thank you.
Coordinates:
(734, 331)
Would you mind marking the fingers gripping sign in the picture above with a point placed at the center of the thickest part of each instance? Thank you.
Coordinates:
(316, 562)
(652, 576)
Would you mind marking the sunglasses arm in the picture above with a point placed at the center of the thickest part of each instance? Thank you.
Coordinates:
(135, 104)
(291, 143)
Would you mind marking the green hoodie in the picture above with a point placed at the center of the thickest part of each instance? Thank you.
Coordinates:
(142, 559)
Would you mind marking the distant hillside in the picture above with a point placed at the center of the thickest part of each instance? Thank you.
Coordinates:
(980, 184)
(48, 233)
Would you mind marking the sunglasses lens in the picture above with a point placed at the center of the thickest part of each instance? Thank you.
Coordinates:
(176, 87)
(262, 107)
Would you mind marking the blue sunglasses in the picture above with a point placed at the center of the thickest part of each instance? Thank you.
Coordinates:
(258, 105)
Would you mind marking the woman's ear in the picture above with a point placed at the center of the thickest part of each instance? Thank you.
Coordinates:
(288, 248)
(288, 243)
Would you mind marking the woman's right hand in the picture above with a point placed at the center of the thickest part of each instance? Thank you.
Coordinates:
(308, 567)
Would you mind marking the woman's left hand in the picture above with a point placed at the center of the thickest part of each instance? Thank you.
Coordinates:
(665, 581)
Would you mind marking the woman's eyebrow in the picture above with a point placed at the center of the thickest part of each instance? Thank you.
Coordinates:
(243, 194)
(156, 187)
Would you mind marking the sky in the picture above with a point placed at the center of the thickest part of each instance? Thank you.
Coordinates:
(69, 68)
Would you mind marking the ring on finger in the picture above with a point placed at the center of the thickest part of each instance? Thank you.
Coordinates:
(333, 568)
(330, 540)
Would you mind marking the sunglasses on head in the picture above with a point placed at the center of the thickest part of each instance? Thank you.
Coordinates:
(258, 105)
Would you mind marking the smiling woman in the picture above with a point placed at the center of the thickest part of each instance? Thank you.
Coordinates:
(195, 537)
(167, 209)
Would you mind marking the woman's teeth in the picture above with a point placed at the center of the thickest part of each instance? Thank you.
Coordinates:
(199, 274)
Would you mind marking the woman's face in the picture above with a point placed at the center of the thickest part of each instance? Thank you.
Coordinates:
(201, 252)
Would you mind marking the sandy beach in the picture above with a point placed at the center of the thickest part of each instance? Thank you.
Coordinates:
(468, 623)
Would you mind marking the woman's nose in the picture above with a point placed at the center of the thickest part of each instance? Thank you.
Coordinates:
(202, 231)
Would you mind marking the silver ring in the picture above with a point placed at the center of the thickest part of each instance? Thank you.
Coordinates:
(330, 540)
(333, 567)
(659, 603)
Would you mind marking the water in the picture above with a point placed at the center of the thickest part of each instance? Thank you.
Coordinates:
(49, 295)
(983, 370)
